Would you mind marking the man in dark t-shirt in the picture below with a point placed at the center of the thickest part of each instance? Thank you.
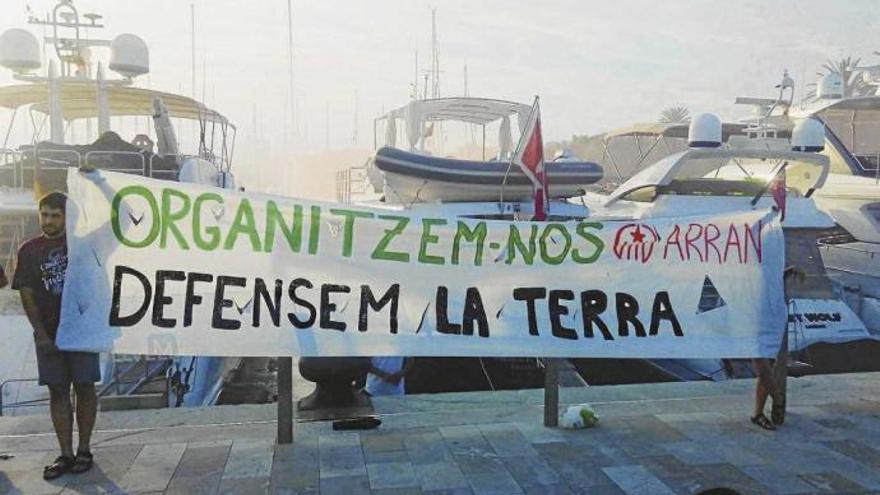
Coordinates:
(39, 277)
(3, 280)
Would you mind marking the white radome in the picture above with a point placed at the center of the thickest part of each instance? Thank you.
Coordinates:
(704, 131)
(830, 87)
(19, 51)
(808, 135)
(129, 56)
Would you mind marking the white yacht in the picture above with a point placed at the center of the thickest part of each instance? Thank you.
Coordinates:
(849, 249)
(707, 180)
(66, 109)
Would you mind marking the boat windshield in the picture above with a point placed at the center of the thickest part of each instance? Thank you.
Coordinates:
(726, 174)
(858, 129)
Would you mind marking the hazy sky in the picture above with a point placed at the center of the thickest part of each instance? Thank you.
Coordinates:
(596, 65)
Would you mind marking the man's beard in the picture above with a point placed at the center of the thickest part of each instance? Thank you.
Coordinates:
(52, 231)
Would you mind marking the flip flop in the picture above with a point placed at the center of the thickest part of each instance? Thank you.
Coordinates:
(363, 423)
(61, 465)
(82, 463)
(763, 422)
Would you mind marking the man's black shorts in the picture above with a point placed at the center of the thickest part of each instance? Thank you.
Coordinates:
(64, 368)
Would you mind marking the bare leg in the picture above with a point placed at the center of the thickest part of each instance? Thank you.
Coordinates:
(764, 386)
(86, 411)
(62, 417)
(780, 371)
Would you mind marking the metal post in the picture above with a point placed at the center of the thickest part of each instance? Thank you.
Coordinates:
(484, 142)
(551, 392)
(285, 400)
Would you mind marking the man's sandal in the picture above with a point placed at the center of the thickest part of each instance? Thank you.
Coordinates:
(61, 465)
(777, 413)
(763, 422)
(82, 462)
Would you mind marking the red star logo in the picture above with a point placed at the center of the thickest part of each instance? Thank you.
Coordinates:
(638, 236)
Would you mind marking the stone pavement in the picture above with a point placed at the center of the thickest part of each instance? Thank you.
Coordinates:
(652, 439)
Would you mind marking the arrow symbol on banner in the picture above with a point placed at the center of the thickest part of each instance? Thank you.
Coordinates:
(218, 212)
(241, 309)
(501, 255)
(422, 321)
(334, 228)
(498, 314)
(710, 298)
(135, 221)
(97, 260)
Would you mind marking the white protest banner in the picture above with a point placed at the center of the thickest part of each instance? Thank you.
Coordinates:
(194, 270)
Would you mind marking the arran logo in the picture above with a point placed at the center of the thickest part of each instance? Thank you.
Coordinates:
(635, 241)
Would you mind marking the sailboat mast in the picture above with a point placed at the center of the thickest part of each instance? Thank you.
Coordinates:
(415, 91)
(435, 58)
(355, 136)
(290, 74)
(192, 17)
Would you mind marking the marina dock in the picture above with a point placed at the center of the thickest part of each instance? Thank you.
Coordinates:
(651, 439)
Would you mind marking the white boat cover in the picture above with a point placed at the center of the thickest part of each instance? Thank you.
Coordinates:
(79, 100)
(480, 111)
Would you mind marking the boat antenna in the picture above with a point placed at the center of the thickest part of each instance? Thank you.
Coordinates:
(786, 83)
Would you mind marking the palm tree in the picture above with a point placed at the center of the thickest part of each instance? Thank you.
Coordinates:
(854, 83)
(675, 115)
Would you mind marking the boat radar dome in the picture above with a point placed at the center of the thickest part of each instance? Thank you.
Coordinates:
(705, 131)
(19, 51)
(830, 87)
(129, 56)
(808, 135)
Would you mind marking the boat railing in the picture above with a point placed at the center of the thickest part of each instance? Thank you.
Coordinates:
(28, 403)
(10, 164)
(132, 371)
(50, 159)
(867, 252)
(17, 167)
(870, 162)
(352, 180)
(95, 157)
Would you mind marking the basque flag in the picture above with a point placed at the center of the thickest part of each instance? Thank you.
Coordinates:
(530, 158)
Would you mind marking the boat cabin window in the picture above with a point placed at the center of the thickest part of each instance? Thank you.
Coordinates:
(859, 131)
(873, 210)
(711, 187)
(646, 194)
(740, 176)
